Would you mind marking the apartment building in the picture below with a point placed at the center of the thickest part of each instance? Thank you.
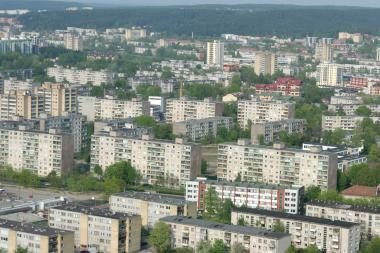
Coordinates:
(329, 75)
(286, 86)
(350, 109)
(122, 127)
(73, 42)
(367, 217)
(135, 34)
(80, 76)
(265, 63)
(327, 235)
(257, 111)
(13, 84)
(187, 232)
(110, 108)
(51, 99)
(255, 195)
(72, 123)
(198, 129)
(269, 132)
(348, 123)
(170, 163)
(356, 37)
(215, 53)
(152, 206)
(98, 230)
(183, 109)
(324, 52)
(39, 152)
(277, 165)
(35, 239)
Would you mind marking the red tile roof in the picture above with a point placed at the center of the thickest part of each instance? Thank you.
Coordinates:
(362, 191)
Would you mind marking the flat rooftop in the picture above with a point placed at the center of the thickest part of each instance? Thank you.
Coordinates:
(225, 227)
(94, 211)
(337, 205)
(154, 197)
(296, 217)
(26, 217)
(31, 229)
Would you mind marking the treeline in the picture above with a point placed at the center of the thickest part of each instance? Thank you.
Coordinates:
(213, 21)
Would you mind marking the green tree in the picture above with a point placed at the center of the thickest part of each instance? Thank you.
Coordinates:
(237, 247)
(204, 247)
(343, 181)
(146, 90)
(335, 137)
(372, 247)
(235, 84)
(159, 237)
(311, 249)
(167, 73)
(113, 185)
(98, 170)
(363, 111)
(291, 249)
(54, 180)
(21, 250)
(145, 121)
(278, 226)
(204, 167)
(241, 222)
(224, 213)
(212, 204)
(218, 247)
(330, 195)
(184, 250)
(28, 179)
(311, 193)
(122, 170)
(373, 154)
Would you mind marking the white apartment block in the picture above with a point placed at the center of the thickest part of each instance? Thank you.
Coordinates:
(265, 63)
(258, 112)
(73, 42)
(329, 75)
(80, 76)
(12, 84)
(109, 108)
(270, 131)
(328, 236)
(158, 161)
(324, 52)
(215, 53)
(348, 123)
(277, 165)
(183, 109)
(135, 34)
(152, 206)
(98, 230)
(367, 217)
(39, 152)
(197, 129)
(254, 195)
(35, 239)
(350, 109)
(188, 233)
(345, 100)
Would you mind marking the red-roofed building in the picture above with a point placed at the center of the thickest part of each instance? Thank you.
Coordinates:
(360, 191)
(358, 82)
(287, 86)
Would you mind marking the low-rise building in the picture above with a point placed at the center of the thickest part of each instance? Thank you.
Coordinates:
(256, 111)
(348, 123)
(367, 217)
(265, 133)
(350, 109)
(255, 195)
(327, 235)
(198, 129)
(170, 163)
(277, 165)
(152, 206)
(286, 86)
(362, 192)
(98, 230)
(34, 238)
(189, 233)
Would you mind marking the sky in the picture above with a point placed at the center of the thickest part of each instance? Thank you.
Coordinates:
(364, 3)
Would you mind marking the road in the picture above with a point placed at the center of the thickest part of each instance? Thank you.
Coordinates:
(39, 194)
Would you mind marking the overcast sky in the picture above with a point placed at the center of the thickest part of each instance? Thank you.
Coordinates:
(366, 3)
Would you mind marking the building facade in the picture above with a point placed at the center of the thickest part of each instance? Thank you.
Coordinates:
(328, 236)
(367, 217)
(257, 111)
(215, 53)
(188, 233)
(152, 206)
(98, 230)
(265, 63)
(183, 109)
(254, 195)
(277, 165)
(347, 123)
(35, 239)
(80, 76)
(169, 163)
(329, 75)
